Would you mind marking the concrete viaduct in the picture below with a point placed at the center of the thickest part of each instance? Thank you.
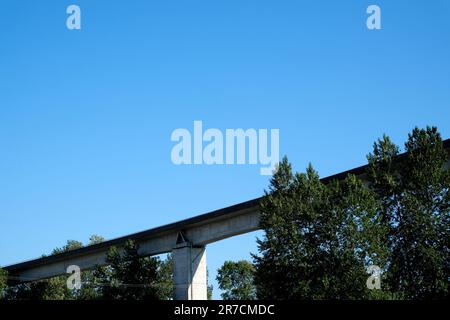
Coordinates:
(186, 239)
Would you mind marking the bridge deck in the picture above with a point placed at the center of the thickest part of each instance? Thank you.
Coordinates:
(200, 230)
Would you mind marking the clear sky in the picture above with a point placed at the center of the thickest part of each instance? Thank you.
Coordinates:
(86, 115)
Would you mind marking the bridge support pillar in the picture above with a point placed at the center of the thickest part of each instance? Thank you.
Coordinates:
(189, 272)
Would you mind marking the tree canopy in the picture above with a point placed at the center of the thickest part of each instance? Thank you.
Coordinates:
(320, 238)
(236, 279)
(3, 281)
(127, 276)
(413, 193)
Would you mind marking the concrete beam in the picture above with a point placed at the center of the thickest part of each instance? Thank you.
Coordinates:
(189, 273)
(199, 230)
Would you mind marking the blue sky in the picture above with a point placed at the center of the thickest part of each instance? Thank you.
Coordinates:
(86, 115)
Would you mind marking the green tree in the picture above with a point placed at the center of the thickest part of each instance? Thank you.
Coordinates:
(56, 288)
(209, 291)
(129, 276)
(236, 279)
(90, 288)
(3, 282)
(50, 289)
(70, 245)
(319, 238)
(165, 278)
(95, 239)
(209, 287)
(414, 192)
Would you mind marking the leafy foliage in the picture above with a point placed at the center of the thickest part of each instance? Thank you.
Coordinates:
(49, 289)
(414, 195)
(128, 276)
(320, 237)
(71, 245)
(317, 239)
(236, 279)
(3, 281)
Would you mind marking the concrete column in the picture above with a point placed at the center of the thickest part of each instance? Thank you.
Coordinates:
(189, 272)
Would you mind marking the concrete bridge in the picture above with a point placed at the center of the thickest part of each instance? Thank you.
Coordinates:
(186, 239)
